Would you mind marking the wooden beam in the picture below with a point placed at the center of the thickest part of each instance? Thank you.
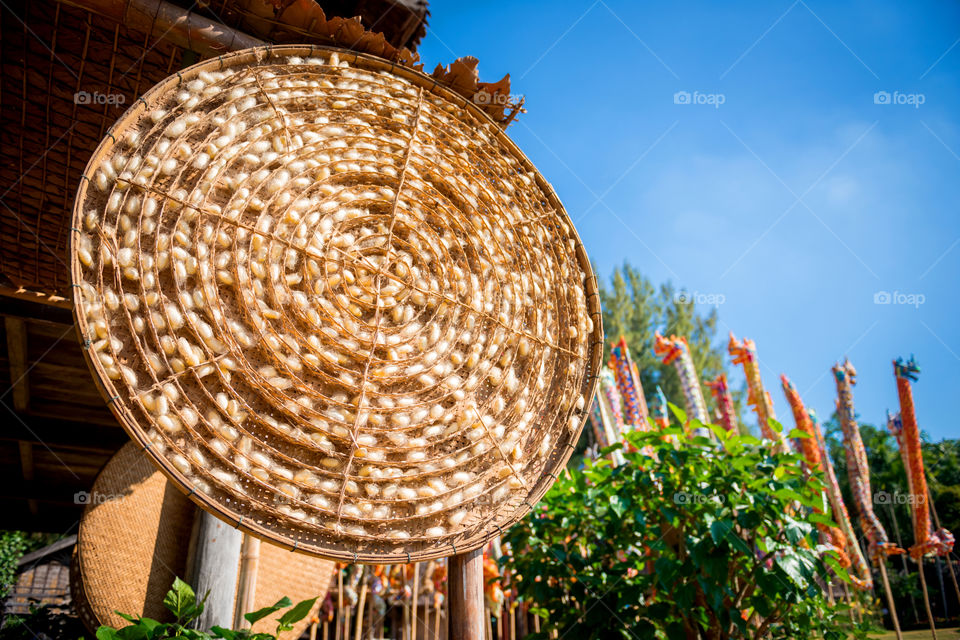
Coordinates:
(171, 23)
(33, 309)
(17, 355)
(58, 433)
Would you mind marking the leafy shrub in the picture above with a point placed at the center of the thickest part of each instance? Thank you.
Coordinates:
(183, 603)
(697, 540)
(13, 544)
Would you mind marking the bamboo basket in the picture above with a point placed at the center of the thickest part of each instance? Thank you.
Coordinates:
(335, 303)
(133, 542)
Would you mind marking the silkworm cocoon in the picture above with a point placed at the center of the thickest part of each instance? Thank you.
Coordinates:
(319, 500)
(472, 491)
(390, 491)
(456, 518)
(407, 493)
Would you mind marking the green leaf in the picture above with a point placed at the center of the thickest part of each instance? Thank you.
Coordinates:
(819, 518)
(719, 530)
(180, 600)
(133, 632)
(797, 433)
(619, 505)
(260, 614)
(679, 413)
(106, 633)
(297, 613)
(226, 634)
(776, 426)
(610, 449)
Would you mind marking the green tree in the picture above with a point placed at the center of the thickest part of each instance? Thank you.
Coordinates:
(635, 309)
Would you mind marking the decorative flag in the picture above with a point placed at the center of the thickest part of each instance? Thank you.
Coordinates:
(879, 545)
(860, 575)
(608, 384)
(745, 353)
(676, 351)
(628, 381)
(904, 427)
(830, 536)
(661, 412)
(723, 399)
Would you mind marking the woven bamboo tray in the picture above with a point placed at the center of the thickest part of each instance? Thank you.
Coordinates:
(133, 542)
(336, 303)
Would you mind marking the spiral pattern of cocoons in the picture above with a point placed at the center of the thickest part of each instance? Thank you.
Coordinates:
(336, 303)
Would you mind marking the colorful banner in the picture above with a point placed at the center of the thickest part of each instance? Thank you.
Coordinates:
(628, 382)
(724, 401)
(904, 427)
(857, 469)
(675, 350)
(860, 573)
(832, 537)
(745, 353)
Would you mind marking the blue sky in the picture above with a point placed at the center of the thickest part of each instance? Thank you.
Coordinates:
(798, 199)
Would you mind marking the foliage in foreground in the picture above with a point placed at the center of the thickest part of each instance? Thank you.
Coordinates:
(696, 540)
(183, 603)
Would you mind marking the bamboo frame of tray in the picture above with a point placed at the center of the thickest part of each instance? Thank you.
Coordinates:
(425, 550)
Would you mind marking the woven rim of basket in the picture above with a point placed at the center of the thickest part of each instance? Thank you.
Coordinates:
(276, 507)
(114, 561)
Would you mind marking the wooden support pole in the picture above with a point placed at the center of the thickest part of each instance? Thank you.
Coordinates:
(936, 520)
(465, 593)
(339, 621)
(886, 587)
(436, 620)
(926, 599)
(361, 603)
(216, 563)
(415, 600)
(247, 585)
(16, 330)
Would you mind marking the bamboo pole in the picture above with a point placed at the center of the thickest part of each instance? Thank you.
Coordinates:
(465, 596)
(247, 586)
(903, 558)
(313, 631)
(926, 599)
(886, 587)
(336, 627)
(360, 605)
(436, 620)
(415, 600)
(936, 520)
